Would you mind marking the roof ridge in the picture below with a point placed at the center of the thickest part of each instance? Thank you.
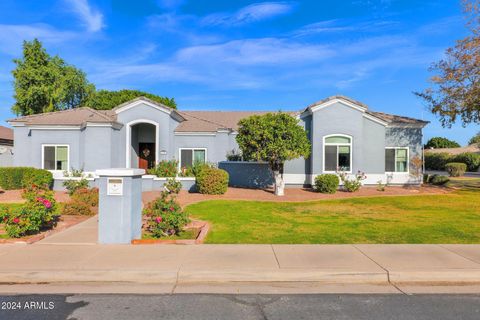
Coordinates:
(209, 121)
(104, 116)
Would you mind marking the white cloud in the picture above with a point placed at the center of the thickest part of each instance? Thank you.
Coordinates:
(252, 13)
(92, 18)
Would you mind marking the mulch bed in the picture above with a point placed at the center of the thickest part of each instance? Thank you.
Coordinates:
(63, 223)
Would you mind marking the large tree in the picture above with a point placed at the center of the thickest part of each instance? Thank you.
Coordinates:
(273, 138)
(475, 139)
(455, 90)
(105, 99)
(441, 143)
(44, 83)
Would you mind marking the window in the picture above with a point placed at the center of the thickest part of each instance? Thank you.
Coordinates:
(396, 160)
(337, 153)
(55, 157)
(188, 157)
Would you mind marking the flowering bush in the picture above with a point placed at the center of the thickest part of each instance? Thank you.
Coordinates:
(82, 202)
(352, 184)
(164, 216)
(89, 196)
(165, 168)
(38, 212)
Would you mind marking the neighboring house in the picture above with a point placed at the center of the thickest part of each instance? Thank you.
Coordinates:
(473, 148)
(6, 147)
(344, 133)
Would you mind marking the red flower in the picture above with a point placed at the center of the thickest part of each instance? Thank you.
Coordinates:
(16, 220)
(172, 209)
(158, 219)
(47, 204)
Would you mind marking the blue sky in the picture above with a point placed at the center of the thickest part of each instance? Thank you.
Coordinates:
(244, 55)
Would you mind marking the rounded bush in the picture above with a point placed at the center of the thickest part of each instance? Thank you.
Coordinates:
(472, 160)
(437, 161)
(439, 180)
(326, 183)
(212, 181)
(456, 169)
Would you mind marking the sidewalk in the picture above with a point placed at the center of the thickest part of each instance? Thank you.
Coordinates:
(175, 265)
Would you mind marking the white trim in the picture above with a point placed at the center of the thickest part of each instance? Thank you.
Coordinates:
(50, 127)
(128, 140)
(408, 161)
(337, 100)
(337, 144)
(55, 145)
(195, 134)
(374, 119)
(193, 148)
(119, 172)
(147, 103)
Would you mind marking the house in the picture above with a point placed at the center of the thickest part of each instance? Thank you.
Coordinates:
(6, 147)
(344, 133)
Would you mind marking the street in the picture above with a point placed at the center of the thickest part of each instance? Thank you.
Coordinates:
(219, 306)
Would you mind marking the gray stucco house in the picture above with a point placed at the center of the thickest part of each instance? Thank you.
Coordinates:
(137, 134)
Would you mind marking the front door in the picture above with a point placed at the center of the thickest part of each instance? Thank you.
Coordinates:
(146, 159)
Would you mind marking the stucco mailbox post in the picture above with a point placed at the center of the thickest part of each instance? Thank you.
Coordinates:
(120, 205)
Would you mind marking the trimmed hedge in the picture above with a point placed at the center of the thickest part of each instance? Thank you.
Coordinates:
(472, 160)
(212, 181)
(438, 161)
(18, 177)
(456, 169)
(438, 180)
(326, 183)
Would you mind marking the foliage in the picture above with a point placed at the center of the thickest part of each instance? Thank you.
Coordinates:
(172, 186)
(43, 83)
(72, 185)
(212, 181)
(106, 100)
(76, 207)
(472, 160)
(475, 139)
(352, 184)
(381, 186)
(88, 196)
(456, 83)
(17, 177)
(273, 138)
(437, 161)
(75, 173)
(438, 180)
(165, 168)
(441, 143)
(234, 155)
(326, 183)
(194, 170)
(38, 212)
(164, 215)
(456, 169)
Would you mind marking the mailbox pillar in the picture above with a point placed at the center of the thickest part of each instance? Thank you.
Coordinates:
(120, 205)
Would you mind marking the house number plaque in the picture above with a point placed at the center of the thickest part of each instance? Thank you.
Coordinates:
(115, 187)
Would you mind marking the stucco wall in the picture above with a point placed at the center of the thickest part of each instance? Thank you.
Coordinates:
(405, 137)
(6, 158)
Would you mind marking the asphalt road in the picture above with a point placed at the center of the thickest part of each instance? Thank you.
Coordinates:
(208, 306)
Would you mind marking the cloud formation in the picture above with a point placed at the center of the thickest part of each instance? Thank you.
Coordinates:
(91, 18)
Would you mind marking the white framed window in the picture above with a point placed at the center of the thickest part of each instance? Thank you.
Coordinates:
(337, 153)
(55, 157)
(189, 156)
(397, 159)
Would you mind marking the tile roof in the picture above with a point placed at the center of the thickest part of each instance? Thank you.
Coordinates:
(211, 121)
(6, 133)
(77, 116)
(394, 119)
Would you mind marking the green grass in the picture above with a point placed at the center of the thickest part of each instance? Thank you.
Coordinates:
(446, 218)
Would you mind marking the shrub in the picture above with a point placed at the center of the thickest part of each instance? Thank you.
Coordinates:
(475, 139)
(194, 170)
(38, 212)
(381, 186)
(437, 161)
(164, 215)
(426, 178)
(212, 181)
(352, 185)
(234, 155)
(440, 143)
(19, 177)
(472, 160)
(456, 169)
(73, 185)
(165, 168)
(173, 186)
(77, 207)
(326, 183)
(438, 180)
(88, 196)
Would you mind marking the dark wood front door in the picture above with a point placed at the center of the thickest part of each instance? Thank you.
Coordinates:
(146, 159)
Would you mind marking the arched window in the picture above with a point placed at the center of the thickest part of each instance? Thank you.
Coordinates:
(337, 153)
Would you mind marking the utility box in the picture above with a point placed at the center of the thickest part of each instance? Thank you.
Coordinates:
(120, 205)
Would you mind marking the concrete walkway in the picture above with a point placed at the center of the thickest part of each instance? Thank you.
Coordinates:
(84, 233)
(174, 266)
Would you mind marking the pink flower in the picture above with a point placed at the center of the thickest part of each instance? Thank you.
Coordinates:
(172, 208)
(47, 204)
(158, 219)
(16, 220)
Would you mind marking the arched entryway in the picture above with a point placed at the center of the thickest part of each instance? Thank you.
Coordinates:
(142, 144)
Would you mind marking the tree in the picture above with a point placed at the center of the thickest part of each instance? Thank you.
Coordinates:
(273, 138)
(43, 83)
(441, 143)
(106, 100)
(475, 139)
(455, 90)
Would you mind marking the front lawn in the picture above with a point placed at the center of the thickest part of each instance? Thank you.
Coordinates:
(445, 218)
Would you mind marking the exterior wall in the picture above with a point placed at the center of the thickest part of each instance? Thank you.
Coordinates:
(217, 145)
(298, 171)
(6, 158)
(97, 149)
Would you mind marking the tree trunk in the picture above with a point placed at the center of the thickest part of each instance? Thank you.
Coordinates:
(279, 183)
